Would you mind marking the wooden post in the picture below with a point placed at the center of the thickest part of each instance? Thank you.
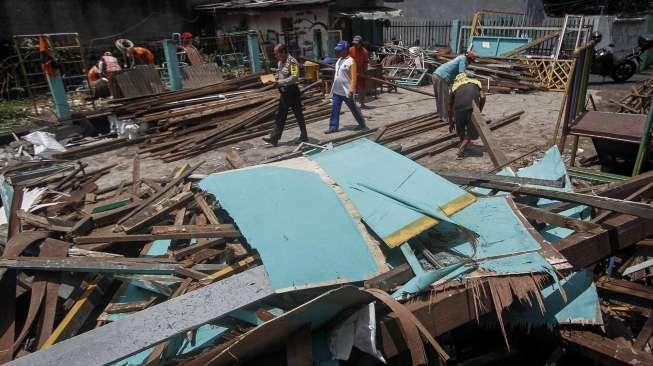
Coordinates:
(497, 156)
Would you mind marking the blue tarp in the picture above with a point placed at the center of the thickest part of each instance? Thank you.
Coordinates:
(397, 198)
(297, 223)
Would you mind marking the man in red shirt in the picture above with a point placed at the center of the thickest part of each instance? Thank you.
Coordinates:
(362, 59)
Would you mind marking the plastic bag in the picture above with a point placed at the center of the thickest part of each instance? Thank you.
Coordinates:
(44, 143)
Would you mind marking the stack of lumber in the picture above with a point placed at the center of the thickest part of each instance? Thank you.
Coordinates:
(497, 75)
(188, 131)
(639, 99)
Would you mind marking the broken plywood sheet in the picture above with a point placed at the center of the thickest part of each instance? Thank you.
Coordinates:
(397, 198)
(505, 245)
(551, 166)
(297, 223)
(579, 306)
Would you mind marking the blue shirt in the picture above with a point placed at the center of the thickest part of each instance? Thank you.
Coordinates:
(449, 70)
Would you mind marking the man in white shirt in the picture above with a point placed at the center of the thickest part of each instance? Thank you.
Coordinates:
(343, 89)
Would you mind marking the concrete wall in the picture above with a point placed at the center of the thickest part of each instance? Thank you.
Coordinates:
(464, 9)
(269, 23)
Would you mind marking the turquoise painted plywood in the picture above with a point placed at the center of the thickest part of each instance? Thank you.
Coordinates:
(495, 46)
(552, 167)
(297, 223)
(397, 198)
(581, 305)
(503, 245)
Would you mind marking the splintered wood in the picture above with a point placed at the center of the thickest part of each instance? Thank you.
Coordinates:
(639, 99)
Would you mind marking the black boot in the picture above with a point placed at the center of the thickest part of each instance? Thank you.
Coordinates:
(270, 140)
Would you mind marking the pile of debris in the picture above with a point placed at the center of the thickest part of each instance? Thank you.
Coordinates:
(247, 265)
(639, 99)
(498, 75)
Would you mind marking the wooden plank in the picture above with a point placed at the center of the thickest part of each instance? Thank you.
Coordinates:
(628, 207)
(79, 313)
(391, 279)
(626, 289)
(299, 347)
(191, 249)
(151, 326)
(160, 193)
(190, 273)
(100, 265)
(644, 248)
(117, 238)
(540, 215)
(604, 350)
(496, 155)
(206, 209)
(130, 307)
(644, 334)
(620, 232)
(168, 206)
(136, 175)
(219, 228)
(228, 271)
(41, 222)
(465, 178)
(518, 50)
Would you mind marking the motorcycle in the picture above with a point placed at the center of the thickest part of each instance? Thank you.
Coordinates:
(604, 63)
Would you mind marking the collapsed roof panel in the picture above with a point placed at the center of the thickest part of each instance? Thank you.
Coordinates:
(396, 206)
(297, 223)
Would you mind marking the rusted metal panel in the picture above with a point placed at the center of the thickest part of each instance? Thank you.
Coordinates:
(603, 125)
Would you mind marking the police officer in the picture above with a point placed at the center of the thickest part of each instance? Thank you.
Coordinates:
(287, 80)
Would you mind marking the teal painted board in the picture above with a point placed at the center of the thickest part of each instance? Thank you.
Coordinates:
(552, 167)
(494, 46)
(500, 233)
(297, 223)
(581, 306)
(397, 198)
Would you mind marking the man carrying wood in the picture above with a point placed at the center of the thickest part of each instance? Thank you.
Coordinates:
(465, 92)
(287, 80)
(442, 78)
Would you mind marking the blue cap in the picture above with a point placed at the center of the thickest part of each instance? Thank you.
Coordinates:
(342, 45)
(357, 40)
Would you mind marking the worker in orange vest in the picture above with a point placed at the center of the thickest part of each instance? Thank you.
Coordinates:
(139, 56)
(362, 59)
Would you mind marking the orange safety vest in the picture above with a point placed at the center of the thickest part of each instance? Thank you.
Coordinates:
(143, 56)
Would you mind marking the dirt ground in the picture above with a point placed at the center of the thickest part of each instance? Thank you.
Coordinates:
(534, 129)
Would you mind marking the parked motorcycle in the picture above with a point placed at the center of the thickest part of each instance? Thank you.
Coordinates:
(620, 70)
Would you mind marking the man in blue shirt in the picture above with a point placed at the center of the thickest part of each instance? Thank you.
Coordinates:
(443, 77)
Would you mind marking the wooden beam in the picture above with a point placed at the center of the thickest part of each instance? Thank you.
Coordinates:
(117, 238)
(219, 228)
(170, 205)
(136, 175)
(540, 215)
(518, 50)
(466, 178)
(496, 155)
(620, 232)
(191, 249)
(161, 192)
(391, 279)
(604, 350)
(625, 289)
(206, 209)
(644, 334)
(644, 248)
(628, 207)
(100, 265)
(235, 160)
